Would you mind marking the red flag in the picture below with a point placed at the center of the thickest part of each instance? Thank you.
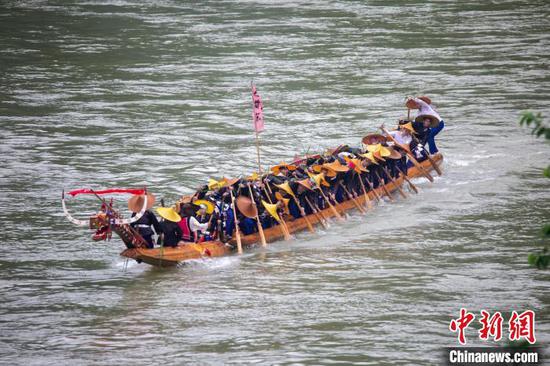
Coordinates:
(257, 110)
(107, 191)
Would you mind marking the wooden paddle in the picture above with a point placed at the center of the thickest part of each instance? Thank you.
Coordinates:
(316, 213)
(432, 161)
(376, 195)
(401, 192)
(258, 222)
(361, 209)
(383, 185)
(237, 231)
(282, 222)
(332, 208)
(302, 211)
(367, 199)
(409, 153)
(413, 187)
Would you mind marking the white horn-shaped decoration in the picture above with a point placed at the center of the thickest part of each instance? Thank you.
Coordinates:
(68, 215)
(135, 218)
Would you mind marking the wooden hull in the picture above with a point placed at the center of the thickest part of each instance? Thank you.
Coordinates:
(171, 256)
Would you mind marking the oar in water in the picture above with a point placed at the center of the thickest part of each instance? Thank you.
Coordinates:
(401, 192)
(413, 187)
(237, 231)
(332, 208)
(286, 187)
(410, 154)
(272, 210)
(315, 211)
(367, 199)
(373, 190)
(432, 161)
(361, 209)
(258, 222)
(384, 186)
(279, 218)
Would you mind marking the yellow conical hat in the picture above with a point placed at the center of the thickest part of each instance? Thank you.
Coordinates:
(285, 201)
(272, 209)
(336, 167)
(214, 184)
(209, 205)
(320, 179)
(378, 148)
(169, 214)
(409, 127)
(253, 176)
(285, 187)
(371, 157)
(374, 147)
(358, 165)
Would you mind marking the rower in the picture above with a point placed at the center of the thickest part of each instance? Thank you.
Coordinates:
(429, 118)
(205, 215)
(170, 230)
(189, 225)
(148, 219)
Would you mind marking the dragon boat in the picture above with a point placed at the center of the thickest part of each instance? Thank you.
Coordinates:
(171, 256)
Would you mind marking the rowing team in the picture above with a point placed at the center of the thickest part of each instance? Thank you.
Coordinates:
(221, 209)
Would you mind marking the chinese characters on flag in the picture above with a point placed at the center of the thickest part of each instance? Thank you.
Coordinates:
(257, 110)
(520, 326)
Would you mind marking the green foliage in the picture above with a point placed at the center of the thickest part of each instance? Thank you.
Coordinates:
(534, 121)
(541, 260)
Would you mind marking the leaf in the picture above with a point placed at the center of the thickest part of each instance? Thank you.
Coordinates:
(546, 172)
(546, 230)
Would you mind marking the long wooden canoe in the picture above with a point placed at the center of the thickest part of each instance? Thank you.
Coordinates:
(171, 256)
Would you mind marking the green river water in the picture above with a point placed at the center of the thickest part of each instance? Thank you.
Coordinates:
(132, 93)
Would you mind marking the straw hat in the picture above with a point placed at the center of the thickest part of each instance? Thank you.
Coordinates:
(253, 176)
(434, 121)
(425, 98)
(169, 214)
(306, 183)
(230, 181)
(395, 155)
(336, 167)
(411, 104)
(209, 205)
(378, 148)
(214, 184)
(246, 207)
(408, 126)
(374, 138)
(272, 209)
(135, 203)
(357, 165)
(285, 187)
(319, 179)
(371, 157)
(275, 169)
